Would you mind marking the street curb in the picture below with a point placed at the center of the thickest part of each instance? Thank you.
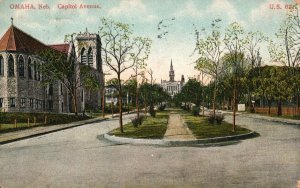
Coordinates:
(199, 142)
(75, 124)
(277, 120)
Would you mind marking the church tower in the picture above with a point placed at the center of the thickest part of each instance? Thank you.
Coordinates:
(171, 73)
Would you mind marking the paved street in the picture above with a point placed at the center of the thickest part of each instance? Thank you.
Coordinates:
(77, 157)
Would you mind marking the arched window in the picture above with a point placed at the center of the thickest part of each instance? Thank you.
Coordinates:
(38, 74)
(35, 70)
(29, 68)
(90, 56)
(11, 68)
(83, 56)
(1, 65)
(21, 66)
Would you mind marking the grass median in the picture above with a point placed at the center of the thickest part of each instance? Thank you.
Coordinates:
(201, 128)
(152, 128)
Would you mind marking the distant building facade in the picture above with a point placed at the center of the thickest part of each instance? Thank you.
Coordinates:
(111, 94)
(21, 82)
(172, 87)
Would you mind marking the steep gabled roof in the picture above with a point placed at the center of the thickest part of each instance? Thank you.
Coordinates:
(64, 48)
(15, 39)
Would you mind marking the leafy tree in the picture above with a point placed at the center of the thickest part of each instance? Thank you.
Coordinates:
(235, 41)
(142, 46)
(120, 51)
(286, 50)
(153, 94)
(59, 67)
(209, 48)
(191, 92)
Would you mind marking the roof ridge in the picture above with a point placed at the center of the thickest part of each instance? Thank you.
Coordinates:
(9, 37)
(15, 39)
(29, 35)
(19, 40)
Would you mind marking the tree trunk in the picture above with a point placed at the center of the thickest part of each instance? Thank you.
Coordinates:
(137, 103)
(120, 104)
(279, 109)
(103, 101)
(214, 100)
(269, 106)
(74, 98)
(234, 105)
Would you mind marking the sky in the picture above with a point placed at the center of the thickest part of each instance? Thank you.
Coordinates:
(181, 17)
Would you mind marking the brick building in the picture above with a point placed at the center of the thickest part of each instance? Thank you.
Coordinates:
(21, 87)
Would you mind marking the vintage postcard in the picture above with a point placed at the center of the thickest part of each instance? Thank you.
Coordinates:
(150, 93)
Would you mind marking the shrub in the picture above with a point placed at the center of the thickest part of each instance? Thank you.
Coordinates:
(211, 118)
(219, 118)
(137, 121)
(195, 110)
(162, 107)
(152, 111)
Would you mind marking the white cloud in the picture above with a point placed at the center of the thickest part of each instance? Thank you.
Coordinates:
(132, 8)
(223, 7)
(127, 6)
(264, 12)
(189, 9)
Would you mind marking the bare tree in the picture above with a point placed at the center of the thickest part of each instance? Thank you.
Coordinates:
(210, 50)
(142, 47)
(235, 44)
(120, 52)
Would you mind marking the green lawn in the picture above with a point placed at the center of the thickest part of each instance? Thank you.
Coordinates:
(12, 127)
(153, 128)
(7, 120)
(202, 129)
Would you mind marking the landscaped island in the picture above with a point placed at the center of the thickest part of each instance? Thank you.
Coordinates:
(155, 127)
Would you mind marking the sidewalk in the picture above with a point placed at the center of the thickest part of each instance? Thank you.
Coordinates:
(177, 129)
(264, 117)
(41, 130)
(274, 119)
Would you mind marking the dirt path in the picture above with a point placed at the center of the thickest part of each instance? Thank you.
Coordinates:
(177, 129)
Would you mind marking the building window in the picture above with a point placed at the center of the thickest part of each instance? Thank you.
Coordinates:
(61, 89)
(31, 103)
(23, 102)
(12, 102)
(83, 56)
(1, 103)
(11, 68)
(38, 74)
(21, 66)
(40, 104)
(36, 104)
(82, 95)
(50, 105)
(50, 89)
(35, 70)
(90, 56)
(1, 65)
(29, 68)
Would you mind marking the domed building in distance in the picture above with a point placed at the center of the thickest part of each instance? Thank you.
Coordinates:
(172, 87)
